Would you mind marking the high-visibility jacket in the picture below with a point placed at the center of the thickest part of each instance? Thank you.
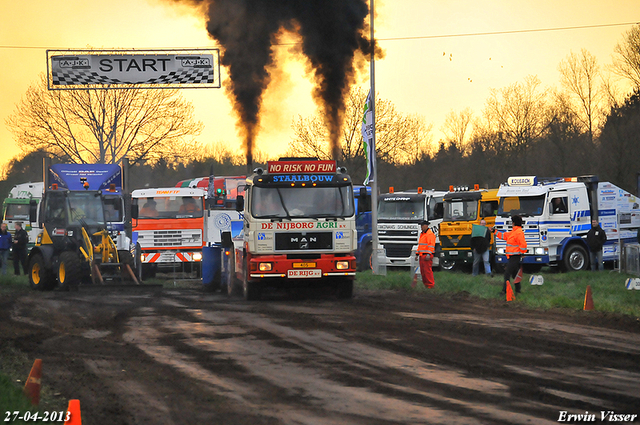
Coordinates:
(516, 244)
(427, 243)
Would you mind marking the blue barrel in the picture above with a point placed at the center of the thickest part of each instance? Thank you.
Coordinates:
(211, 256)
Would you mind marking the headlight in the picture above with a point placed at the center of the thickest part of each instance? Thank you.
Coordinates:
(541, 251)
(469, 254)
(265, 267)
(342, 265)
(197, 256)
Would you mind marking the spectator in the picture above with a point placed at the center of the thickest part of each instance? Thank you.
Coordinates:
(5, 246)
(480, 246)
(20, 242)
(188, 206)
(595, 240)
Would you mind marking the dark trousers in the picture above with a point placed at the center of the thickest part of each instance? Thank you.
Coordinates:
(510, 271)
(19, 257)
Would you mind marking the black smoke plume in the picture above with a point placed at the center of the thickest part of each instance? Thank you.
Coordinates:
(332, 34)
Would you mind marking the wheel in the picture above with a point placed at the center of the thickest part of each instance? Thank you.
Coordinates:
(148, 271)
(40, 277)
(125, 257)
(231, 281)
(365, 260)
(69, 270)
(575, 259)
(447, 265)
(345, 288)
(251, 290)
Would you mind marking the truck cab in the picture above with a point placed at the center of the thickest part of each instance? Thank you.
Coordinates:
(464, 208)
(15, 208)
(399, 215)
(299, 228)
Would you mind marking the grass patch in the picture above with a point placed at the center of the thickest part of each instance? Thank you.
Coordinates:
(560, 290)
(14, 371)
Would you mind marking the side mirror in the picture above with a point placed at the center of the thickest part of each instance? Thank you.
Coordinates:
(134, 211)
(33, 211)
(240, 203)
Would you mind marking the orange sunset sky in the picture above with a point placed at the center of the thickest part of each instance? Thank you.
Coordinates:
(431, 64)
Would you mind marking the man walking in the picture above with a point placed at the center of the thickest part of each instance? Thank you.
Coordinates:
(426, 249)
(595, 240)
(20, 241)
(480, 243)
(516, 246)
(5, 246)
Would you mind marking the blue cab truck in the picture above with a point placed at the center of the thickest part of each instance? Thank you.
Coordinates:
(363, 226)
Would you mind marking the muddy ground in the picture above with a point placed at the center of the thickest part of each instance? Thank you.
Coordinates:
(183, 356)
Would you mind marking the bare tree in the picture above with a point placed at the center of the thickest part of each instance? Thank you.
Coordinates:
(456, 126)
(102, 126)
(578, 74)
(400, 138)
(517, 114)
(626, 61)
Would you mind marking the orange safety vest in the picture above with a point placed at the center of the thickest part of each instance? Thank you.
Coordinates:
(427, 243)
(516, 244)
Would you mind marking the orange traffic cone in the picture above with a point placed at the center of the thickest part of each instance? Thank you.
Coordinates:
(32, 386)
(510, 294)
(73, 416)
(588, 299)
(518, 278)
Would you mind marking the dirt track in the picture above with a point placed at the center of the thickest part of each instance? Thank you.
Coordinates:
(187, 357)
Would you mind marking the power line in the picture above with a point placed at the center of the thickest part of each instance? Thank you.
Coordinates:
(423, 37)
(473, 34)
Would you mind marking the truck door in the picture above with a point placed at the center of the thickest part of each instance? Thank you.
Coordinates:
(559, 222)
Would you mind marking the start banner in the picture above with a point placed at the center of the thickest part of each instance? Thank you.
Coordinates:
(82, 69)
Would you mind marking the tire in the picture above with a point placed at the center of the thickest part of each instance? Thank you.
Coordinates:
(69, 270)
(41, 278)
(365, 260)
(126, 258)
(250, 290)
(148, 271)
(344, 289)
(447, 265)
(231, 281)
(575, 259)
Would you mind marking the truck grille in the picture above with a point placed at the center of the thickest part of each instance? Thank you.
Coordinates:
(165, 238)
(304, 241)
(397, 250)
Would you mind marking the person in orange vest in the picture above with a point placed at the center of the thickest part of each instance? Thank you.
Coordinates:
(516, 246)
(426, 249)
(188, 206)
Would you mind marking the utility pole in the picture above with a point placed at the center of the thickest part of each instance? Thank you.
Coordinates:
(375, 267)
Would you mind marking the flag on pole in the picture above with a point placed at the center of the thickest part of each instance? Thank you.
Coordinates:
(367, 136)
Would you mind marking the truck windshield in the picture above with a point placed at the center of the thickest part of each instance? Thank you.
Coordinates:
(85, 208)
(16, 212)
(405, 209)
(458, 210)
(169, 207)
(298, 202)
(521, 205)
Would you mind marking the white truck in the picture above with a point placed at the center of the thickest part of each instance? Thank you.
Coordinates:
(399, 215)
(15, 208)
(557, 217)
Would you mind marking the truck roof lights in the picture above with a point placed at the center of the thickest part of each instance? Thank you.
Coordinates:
(419, 190)
(390, 189)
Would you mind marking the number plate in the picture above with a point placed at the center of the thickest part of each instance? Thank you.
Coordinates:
(453, 252)
(303, 265)
(295, 274)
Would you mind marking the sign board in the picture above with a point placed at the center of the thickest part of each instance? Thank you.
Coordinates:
(83, 69)
(522, 181)
(299, 167)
